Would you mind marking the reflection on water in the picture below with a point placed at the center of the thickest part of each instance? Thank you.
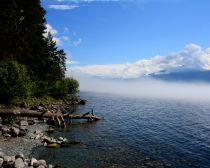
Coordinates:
(136, 133)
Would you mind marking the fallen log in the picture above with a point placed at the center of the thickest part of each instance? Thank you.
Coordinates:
(34, 114)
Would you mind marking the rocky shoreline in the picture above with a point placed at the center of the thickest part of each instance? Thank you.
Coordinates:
(18, 137)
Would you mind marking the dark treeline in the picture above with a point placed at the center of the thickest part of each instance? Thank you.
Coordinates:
(30, 63)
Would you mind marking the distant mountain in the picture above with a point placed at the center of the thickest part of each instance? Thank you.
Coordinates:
(188, 76)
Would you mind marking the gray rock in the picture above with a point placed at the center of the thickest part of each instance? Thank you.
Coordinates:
(13, 158)
(40, 163)
(1, 120)
(40, 108)
(7, 135)
(5, 130)
(1, 161)
(33, 161)
(19, 163)
(60, 139)
(14, 131)
(22, 132)
(8, 164)
(50, 166)
(38, 137)
(1, 155)
(37, 132)
(23, 123)
(20, 155)
(7, 159)
(23, 128)
(41, 166)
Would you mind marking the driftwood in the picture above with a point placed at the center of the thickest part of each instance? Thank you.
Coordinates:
(59, 116)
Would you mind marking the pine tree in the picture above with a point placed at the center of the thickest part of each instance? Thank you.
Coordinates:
(22, 28)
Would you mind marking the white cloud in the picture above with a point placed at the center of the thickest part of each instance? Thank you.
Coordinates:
(70, 62)
(51, 30)
(192, 57)
(54, 32)
(63, 7)
(58, 37)
(77, 42)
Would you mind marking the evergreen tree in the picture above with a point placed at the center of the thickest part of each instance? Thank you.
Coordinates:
(22, 25)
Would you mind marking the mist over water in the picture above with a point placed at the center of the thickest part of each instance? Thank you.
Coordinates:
(148, 88)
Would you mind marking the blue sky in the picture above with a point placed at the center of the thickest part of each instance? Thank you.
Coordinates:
(107, 35)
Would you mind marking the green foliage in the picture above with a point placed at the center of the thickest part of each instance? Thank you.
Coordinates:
(64, 87)
(39, 66)
(72, 86)
(14, 80)
(32, 101)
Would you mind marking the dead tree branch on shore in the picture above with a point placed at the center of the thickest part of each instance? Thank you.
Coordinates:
(59, 116)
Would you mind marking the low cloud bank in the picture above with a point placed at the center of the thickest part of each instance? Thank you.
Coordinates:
(147, 88)
(191, 57)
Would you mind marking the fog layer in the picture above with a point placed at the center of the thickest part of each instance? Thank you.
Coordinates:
(148, 88)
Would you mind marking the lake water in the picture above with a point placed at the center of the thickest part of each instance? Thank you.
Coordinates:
(136, 132)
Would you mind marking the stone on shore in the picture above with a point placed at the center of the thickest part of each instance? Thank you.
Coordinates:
(40, 163)
(7, 159)
(1, 161)
(20, 155)
(33, 160)
(19, 163)
(14, 131)
(23, 123)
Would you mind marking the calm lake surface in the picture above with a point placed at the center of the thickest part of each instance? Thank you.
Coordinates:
(136, 132)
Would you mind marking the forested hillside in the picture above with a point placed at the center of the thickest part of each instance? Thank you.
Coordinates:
(30, 64)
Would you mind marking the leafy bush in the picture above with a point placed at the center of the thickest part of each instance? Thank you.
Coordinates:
(64, 87)
(72, 86)
(14, 81)
(32, 101)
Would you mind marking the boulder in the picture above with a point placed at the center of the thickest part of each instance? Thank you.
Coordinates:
(19, 163)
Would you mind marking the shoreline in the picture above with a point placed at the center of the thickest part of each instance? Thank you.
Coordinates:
(35, 133)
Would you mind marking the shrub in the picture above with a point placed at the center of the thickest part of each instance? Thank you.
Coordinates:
(72, 86)
(14, 81)
(64, 87)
